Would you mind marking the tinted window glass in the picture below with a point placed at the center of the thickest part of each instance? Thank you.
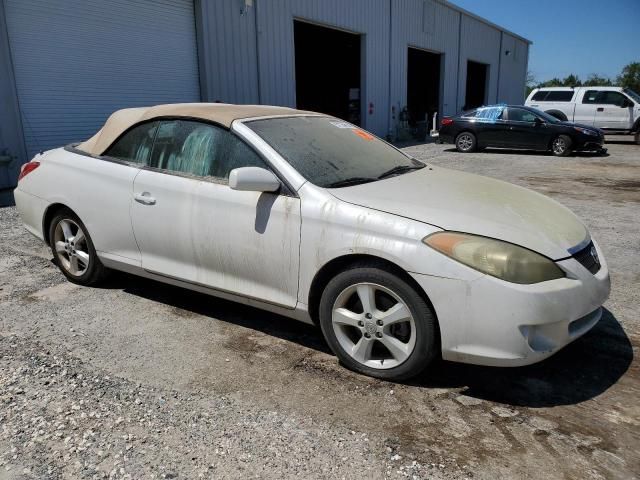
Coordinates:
(590, 96)
(200, 149)
(611, 98)
(328, 151)
(521, 115)
(135, 145)
(559, 96)
(539, 96)
(234, 153)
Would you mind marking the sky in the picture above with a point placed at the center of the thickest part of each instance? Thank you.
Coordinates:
(569, 36)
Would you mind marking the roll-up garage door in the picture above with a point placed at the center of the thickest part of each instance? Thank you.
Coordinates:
(76, 61)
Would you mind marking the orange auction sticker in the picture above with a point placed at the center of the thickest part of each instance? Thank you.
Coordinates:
(362, 134)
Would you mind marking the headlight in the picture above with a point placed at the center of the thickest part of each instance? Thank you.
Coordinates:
(585, 131)
(496, 258)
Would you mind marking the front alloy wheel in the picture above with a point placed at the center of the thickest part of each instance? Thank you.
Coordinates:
(377, 323)
(561, 146)
(374, 326)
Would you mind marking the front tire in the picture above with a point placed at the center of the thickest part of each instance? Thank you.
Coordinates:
(561, 146)
(377, 324)
(466, 142)
(73, 249)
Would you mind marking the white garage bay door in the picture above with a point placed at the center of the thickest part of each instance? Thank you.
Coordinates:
(76, 61)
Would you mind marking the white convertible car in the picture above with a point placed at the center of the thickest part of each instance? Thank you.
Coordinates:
(313, 218)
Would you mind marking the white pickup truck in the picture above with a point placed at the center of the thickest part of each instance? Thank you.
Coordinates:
(612, 109)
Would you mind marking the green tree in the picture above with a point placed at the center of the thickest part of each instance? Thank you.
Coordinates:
(630, 77)
(571, 81)
(595, 80)
(554, 82)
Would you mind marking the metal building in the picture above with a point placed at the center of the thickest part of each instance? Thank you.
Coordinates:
(65, 65)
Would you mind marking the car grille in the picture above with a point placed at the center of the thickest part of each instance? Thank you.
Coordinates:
(588, 258)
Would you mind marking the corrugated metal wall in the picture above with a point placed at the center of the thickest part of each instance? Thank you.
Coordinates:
(479, 42)
(277, 62)
(431, 26)
(245, 68)
(227, 50)
(76, 61)
(513, 70)
(12, 150)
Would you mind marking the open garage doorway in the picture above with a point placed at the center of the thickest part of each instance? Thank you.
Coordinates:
(477, 79)
(328, 71)
(423, 88)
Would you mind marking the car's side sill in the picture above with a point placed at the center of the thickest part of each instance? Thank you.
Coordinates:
(300, 311)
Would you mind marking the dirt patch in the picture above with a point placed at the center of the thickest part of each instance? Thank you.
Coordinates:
(617, 190)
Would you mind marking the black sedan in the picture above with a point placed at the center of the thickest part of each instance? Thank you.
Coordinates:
(507, 126)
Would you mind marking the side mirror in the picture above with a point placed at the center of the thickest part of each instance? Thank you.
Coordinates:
(626, 103)
(253, 179)
(538, 121)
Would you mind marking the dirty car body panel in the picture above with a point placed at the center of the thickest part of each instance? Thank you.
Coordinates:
(267, 249)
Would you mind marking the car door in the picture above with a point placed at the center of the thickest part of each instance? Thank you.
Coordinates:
(585, 108)
(613, 111)
(106, 184)
(490, 126)
(190, 225)
(523, 131)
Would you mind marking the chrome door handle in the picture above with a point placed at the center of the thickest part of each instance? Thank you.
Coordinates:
(144, 198)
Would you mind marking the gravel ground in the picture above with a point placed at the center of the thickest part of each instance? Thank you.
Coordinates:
(136, 379)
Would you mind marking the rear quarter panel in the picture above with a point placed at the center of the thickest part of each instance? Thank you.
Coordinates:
(98, 191)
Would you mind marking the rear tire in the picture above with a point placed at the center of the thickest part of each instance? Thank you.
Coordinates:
(377, 324)
(561, 146)
(466, 142)
(73, 249)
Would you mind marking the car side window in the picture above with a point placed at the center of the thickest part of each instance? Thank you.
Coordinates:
(135, 145)
(235, 153)
(200, 149)
(590, 96)
(609, 97)
(539, 96)
(521, 115)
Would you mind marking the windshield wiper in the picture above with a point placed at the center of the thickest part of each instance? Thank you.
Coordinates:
(350, 181)
(397, 170)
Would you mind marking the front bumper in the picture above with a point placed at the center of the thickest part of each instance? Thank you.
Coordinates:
(488, 321)
(590, 143)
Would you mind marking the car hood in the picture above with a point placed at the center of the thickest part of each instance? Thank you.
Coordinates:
(464, 202)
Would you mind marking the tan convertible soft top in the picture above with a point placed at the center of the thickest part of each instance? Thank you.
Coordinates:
(221, 113)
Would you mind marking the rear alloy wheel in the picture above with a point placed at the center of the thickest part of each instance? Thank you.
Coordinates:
(466, 142)
(73, 249)
(561, 146)
(377, 324)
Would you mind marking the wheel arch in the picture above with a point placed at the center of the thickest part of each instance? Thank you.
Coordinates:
(49, 213)
(339, 264)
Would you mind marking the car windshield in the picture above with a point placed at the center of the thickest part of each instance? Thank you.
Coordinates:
(632, 94)
(330, 152)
